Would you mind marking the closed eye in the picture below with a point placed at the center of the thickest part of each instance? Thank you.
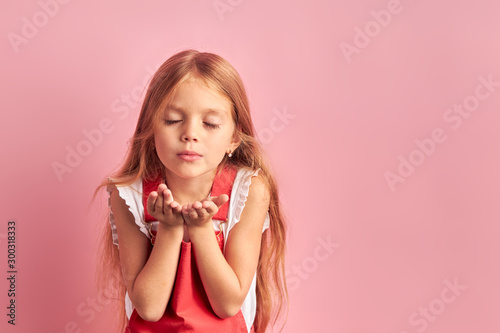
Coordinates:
(209, 125)
(171, 122)
(214, 126)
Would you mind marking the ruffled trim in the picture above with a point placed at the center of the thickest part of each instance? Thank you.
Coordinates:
(239, 196)
(126, 193)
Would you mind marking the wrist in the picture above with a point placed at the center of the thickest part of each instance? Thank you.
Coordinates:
(200, 229)
(173, 230)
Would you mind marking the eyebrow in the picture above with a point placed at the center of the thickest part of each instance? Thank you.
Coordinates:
(208, 110)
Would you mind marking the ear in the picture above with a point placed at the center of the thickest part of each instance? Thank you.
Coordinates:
(235, 142)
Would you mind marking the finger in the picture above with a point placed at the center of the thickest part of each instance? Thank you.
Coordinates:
(185, 210)
(167, 197)
(166, 201)
(176, 207)
(193, 214)
(161, 188)
(200, 210)
(159, 200)
(206, 203)
(221, 199)
(212, 208)
(151, 201)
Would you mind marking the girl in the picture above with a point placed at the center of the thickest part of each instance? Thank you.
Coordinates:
(196, 226)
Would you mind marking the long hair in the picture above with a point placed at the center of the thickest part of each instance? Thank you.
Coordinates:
(142, 162)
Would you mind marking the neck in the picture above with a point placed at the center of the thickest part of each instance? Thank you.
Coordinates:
(189, 190)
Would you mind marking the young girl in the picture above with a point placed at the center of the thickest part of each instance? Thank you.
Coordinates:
(196, 227)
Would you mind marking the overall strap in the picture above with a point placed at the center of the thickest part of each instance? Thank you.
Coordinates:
(149, 186)
(223, 184)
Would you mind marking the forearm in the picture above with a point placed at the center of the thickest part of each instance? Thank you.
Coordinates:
(153, 285)
(220, 282)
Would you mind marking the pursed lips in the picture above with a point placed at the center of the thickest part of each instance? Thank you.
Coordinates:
(189, 155)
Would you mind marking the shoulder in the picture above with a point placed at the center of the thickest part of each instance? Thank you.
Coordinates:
(131, 186)
(127, 199)
(259, 189)
(251, 183)
(123, 197)
(253, 190)
(131, 193)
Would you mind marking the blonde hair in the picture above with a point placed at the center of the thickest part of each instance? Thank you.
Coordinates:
(142, 162)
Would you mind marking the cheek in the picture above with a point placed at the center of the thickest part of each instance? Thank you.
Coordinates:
(163, 139)
(158, 143)
(222, 141)
(163, 150)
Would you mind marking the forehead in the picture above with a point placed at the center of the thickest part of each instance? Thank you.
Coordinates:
(194, 95)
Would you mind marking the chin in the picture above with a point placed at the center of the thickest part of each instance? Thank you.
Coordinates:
(187, 172)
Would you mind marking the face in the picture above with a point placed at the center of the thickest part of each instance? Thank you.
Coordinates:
(195, 131)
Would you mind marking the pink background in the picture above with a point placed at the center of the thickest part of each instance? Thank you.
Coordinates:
(333, 124)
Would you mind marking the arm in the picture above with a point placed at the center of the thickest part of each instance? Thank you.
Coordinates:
(149, 275)
(227, 279)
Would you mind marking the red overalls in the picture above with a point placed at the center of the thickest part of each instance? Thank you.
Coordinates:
(189, 309)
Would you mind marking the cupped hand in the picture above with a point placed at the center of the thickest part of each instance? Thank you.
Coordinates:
(199, 213)
(162, 206)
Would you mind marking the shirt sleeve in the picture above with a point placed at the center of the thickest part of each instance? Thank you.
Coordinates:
(132, 194)
(239, 196)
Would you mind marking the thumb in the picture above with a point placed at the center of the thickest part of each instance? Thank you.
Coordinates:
(220, 200)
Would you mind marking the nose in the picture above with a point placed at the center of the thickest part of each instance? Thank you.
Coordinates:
(189, 133)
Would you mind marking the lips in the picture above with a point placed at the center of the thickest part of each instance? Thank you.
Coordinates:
(189, 155)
